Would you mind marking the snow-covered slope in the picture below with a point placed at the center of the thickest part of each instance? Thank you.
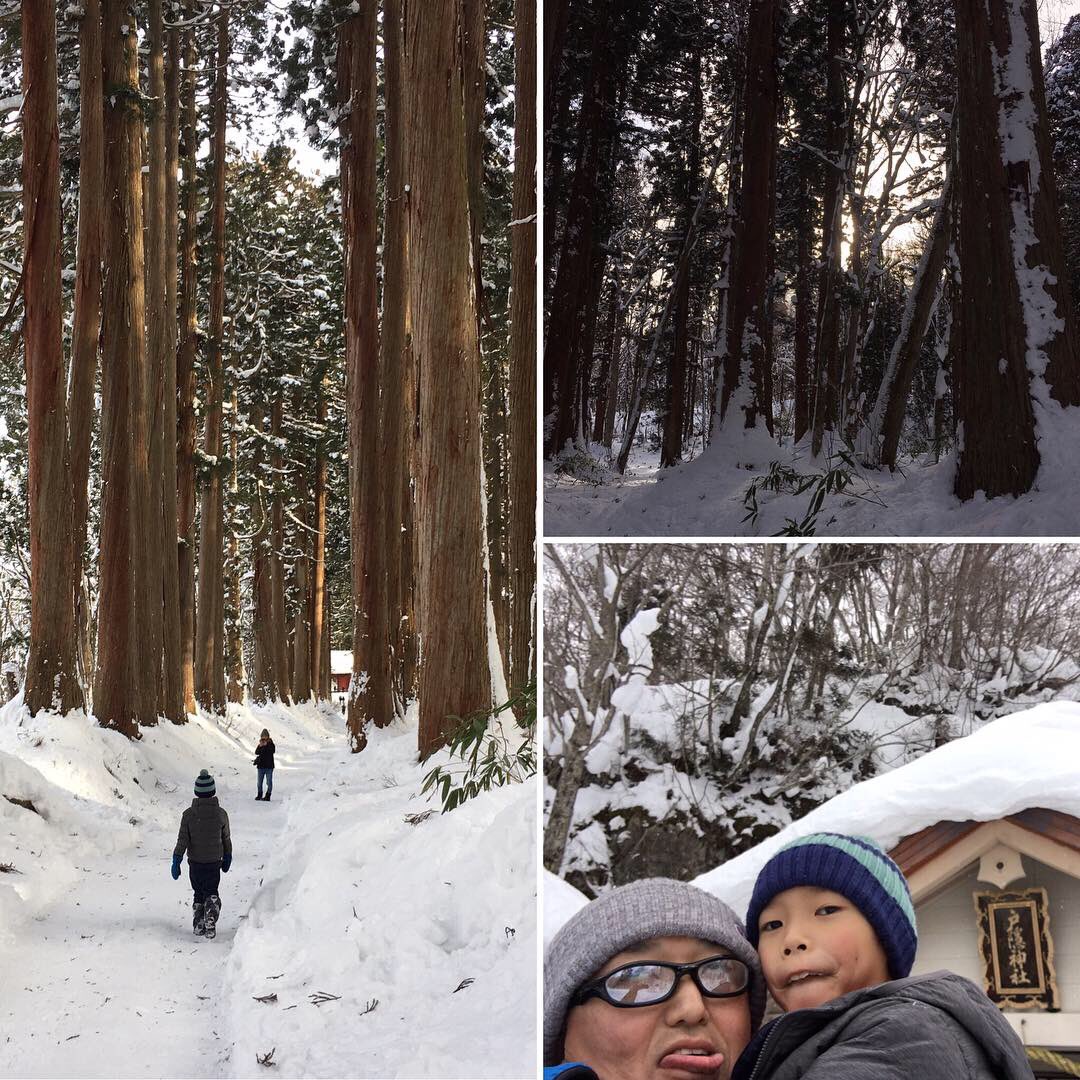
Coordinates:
(705, 496)
(331, 891)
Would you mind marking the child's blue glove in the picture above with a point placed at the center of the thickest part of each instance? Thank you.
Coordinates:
(176, 866)
(226, 863)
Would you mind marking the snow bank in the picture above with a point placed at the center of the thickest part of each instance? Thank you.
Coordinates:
(704, 497)
(561, 901)
(1028, 759)
(435, 922)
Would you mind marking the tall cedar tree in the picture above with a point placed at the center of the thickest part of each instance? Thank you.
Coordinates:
(1011, 263)
(185, 376)
(746, 360)
(123, 665)
(454, 674)
(51, 678)
(522, 544)
(86, 328)
(394, 359)
(210, 621)
(370, 699)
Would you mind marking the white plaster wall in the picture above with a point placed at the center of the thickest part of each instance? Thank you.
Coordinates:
(948, 938)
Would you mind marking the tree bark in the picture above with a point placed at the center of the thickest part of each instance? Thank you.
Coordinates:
(991, 379)
(122, 662)
(86, 328)
(210, 623)
(887, 420)
(454, 675)
(570, 291)
(396, 404)
(151, 558)
(745, 363)
(522, 540)
(278, 621)
(803, 331)
(370, 699)
(318, 571)
(185, 379)
(172, 661)
(52, 681)
(827, 339)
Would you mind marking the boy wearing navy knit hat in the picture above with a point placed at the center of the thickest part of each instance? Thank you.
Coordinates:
(832, 919)
(204, 835)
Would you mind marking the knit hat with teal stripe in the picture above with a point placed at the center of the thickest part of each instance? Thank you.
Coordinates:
(852, 866)
(204, 785)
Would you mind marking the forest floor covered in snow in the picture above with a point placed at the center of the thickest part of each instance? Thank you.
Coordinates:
(716, 493)
(423, 932)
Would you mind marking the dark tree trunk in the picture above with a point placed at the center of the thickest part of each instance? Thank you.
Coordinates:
(52, 681)
(86, 328)
(122, 663)
(827, 339)
(992, 378)
(370, 700)
(454, 676)
(173, 685)
(522, 544)
(896, 387)
(803, 301)
(570, 292)
(210, 624)
(745, 363)
(185, 381)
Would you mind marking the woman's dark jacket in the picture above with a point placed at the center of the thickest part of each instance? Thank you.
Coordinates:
(264, 755)
(926, 1027)
(204, 832)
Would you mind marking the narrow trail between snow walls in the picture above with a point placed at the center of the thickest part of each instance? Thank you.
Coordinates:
(362, 933)
(110, 980)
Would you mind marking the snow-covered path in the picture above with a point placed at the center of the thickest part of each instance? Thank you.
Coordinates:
(398, 941)
(114, 959)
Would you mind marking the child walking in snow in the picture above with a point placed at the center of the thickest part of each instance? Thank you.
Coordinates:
(264, 760)
(204, 835)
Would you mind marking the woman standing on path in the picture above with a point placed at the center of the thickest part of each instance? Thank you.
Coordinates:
(264, 759)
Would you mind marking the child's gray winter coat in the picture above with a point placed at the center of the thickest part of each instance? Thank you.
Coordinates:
(925, 1027)
(204, 832)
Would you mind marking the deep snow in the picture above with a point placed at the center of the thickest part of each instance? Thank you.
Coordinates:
(1027, 759)
(331, 890)
(705, 496)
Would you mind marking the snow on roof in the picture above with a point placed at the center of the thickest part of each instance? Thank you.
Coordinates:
(1028, 759)
(340, 662)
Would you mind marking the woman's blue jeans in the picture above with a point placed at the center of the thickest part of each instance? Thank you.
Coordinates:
(268, 776)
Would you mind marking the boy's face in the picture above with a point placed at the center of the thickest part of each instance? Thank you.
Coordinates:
(816, 945)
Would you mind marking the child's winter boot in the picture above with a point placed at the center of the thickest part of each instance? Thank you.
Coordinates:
(198, 922)
(213, 909)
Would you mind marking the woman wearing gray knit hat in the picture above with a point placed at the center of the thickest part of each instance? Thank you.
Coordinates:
(651, 980)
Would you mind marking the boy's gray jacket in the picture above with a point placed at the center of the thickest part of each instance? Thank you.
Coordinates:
(926, 1027)
(204, 831)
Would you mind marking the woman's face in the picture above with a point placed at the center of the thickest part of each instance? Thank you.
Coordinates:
(687, 1037)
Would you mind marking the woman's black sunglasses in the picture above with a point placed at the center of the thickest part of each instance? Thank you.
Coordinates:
(654, 981)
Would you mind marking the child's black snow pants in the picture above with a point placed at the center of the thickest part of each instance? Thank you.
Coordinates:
(205, 878)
